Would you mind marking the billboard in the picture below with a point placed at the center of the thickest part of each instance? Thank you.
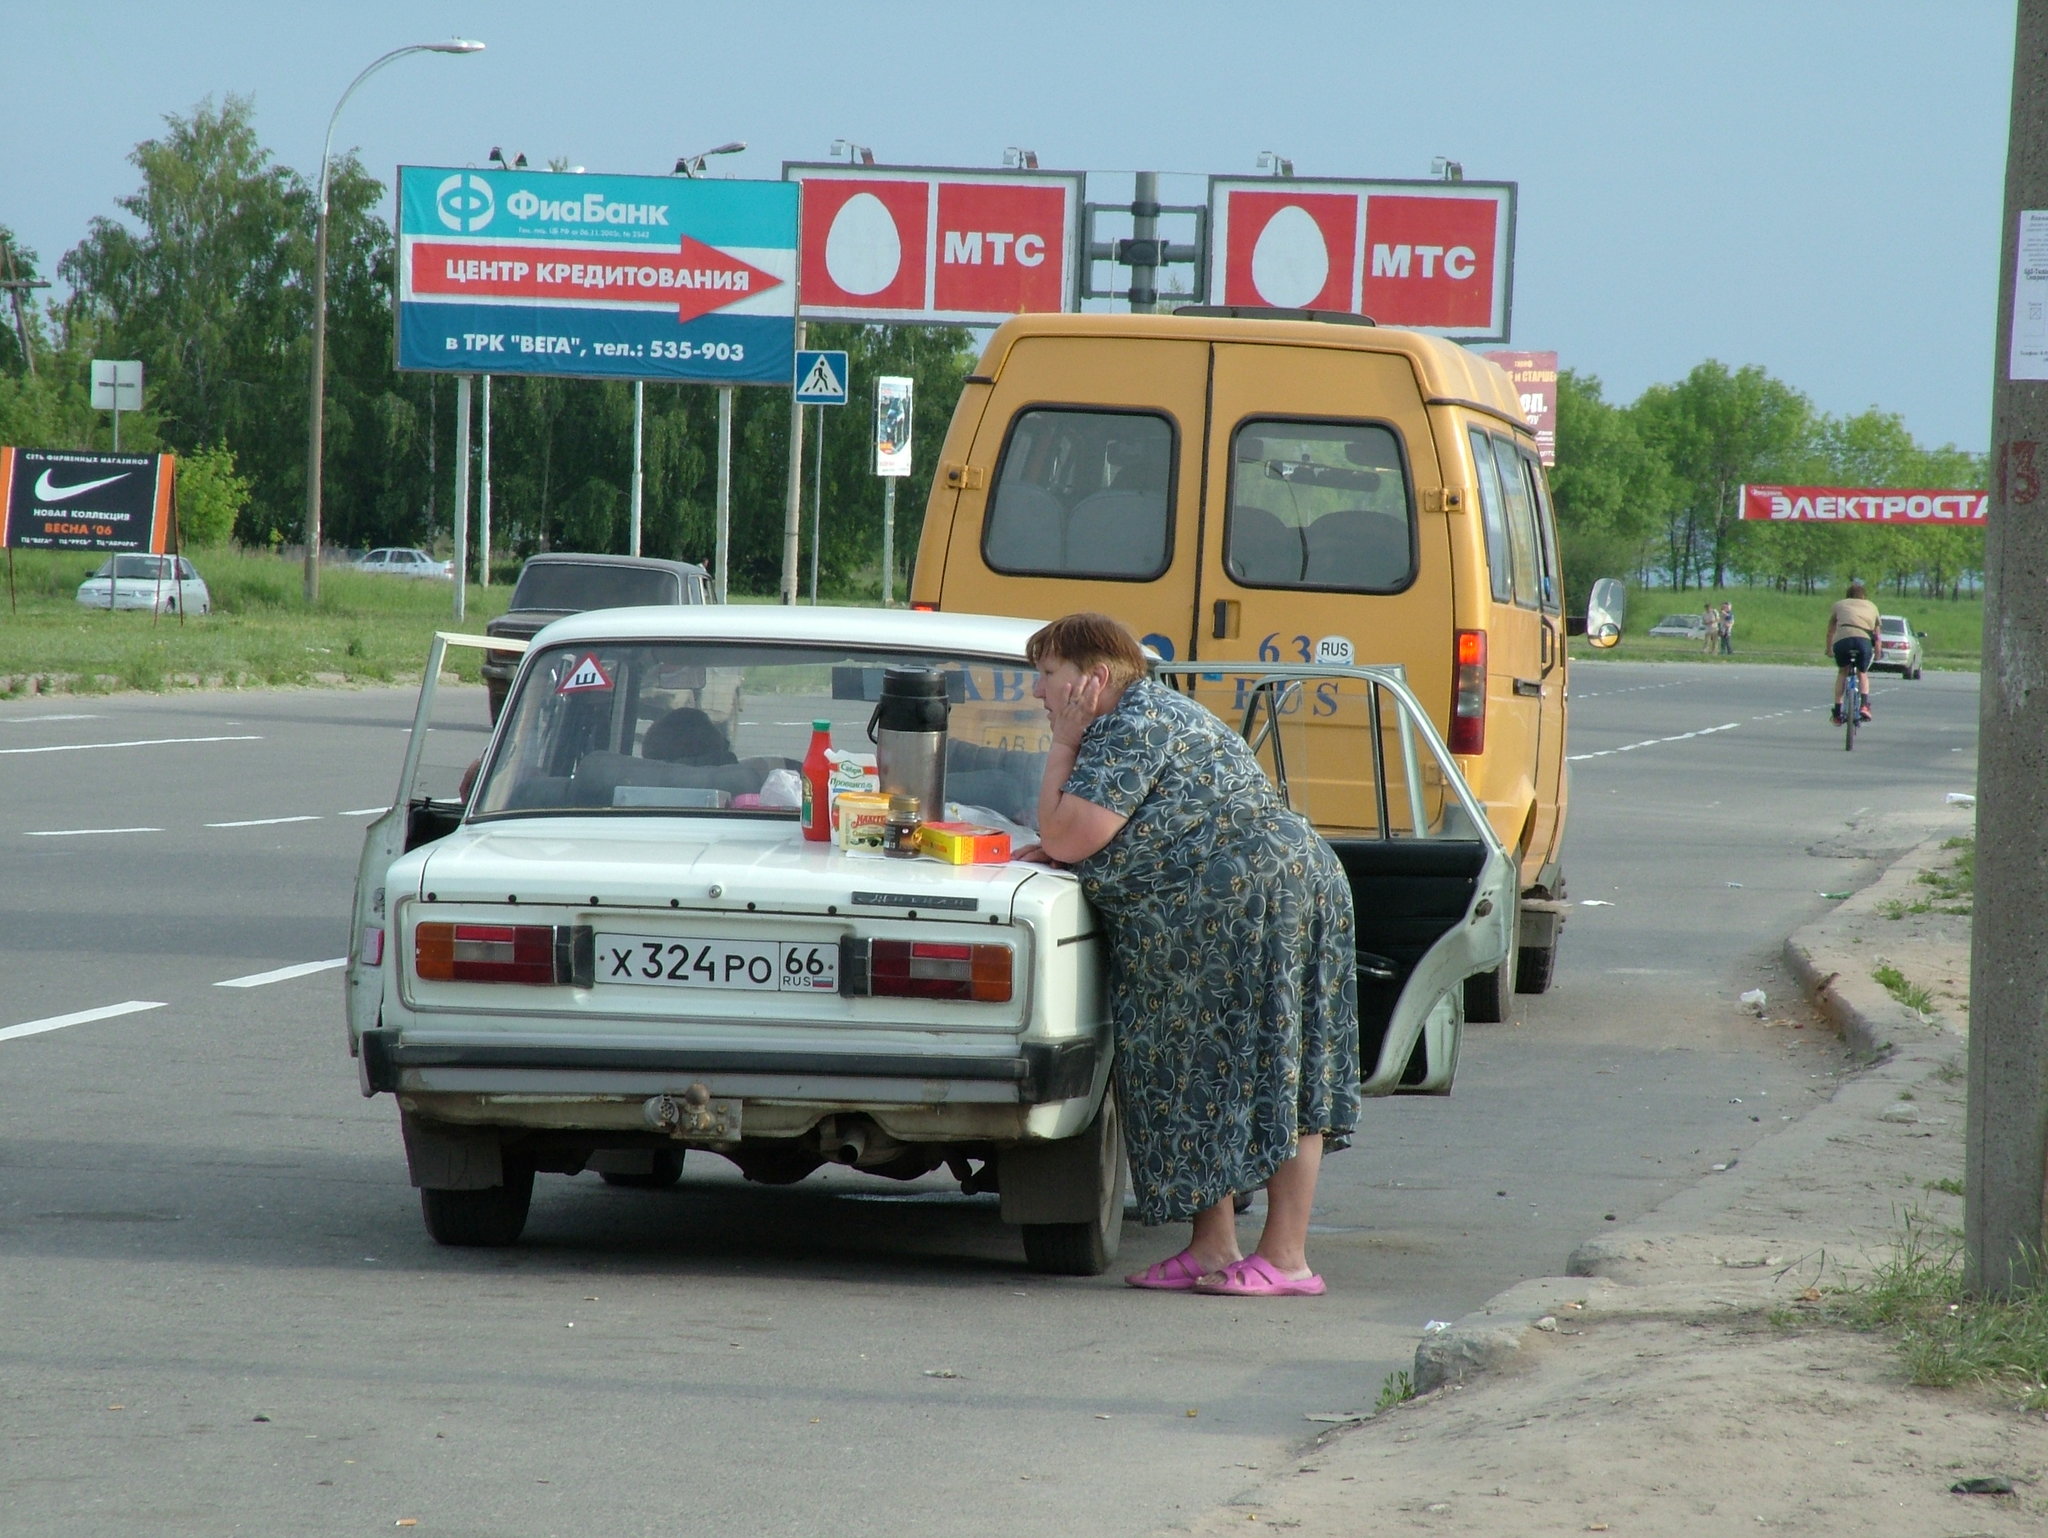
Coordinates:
(608, 277)
(892, 425)
(1862, 504)
(926, 245)
(1535, 379)
(1431, 256)
(55, 499)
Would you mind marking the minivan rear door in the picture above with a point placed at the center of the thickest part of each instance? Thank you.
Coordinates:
(1085, 486)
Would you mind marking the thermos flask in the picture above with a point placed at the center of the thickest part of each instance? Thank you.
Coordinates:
(908, 730)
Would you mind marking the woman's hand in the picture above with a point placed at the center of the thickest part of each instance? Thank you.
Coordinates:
(1034, 854)
(1072, 715)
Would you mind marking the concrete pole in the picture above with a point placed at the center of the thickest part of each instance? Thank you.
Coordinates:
(639, 426)
(2006, 1185)
(888, 540)
(483, 508)
(793, 503)
(462, 386)
(817, 497)
(723, 558)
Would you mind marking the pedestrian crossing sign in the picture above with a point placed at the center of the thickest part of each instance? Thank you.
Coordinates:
(820, 378)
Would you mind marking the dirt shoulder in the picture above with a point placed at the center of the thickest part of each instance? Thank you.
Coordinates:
(1658, 1387)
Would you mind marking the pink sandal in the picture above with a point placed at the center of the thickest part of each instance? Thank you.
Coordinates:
(1176, 1273)
(1256, 1277)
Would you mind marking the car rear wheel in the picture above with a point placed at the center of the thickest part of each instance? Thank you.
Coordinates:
(1086, 1249)
(489, 1218)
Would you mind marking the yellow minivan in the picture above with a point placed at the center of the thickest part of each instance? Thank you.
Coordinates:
(1246, 488)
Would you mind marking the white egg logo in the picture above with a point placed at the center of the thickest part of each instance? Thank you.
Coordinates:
(1290, 263)
(862, 251)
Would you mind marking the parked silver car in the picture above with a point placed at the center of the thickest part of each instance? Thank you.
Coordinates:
(406, 561)
(1898, 647)
(1683, 627)
(165, 583)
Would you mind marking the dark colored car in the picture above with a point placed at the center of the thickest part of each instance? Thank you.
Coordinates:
(565, 582)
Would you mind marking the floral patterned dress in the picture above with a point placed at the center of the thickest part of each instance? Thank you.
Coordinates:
(1232, 986)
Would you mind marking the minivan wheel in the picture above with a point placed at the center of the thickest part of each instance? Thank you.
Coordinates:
(1086, 1249)
(1533, 967)
(489, 1218)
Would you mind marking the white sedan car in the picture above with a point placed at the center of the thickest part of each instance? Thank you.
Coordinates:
(405, 561)
(618, 946)
(165, 583)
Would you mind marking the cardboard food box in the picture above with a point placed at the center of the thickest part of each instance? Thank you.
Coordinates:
(964, 843)
(862, 819)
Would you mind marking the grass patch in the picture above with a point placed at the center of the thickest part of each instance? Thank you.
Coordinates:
(1787, 628)
(1947, 1338)
(1398, 1389)
(1911, 994)
(1949, 891)
(365, 629)
(1948, 1185)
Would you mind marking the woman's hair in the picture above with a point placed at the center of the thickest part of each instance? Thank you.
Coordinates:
(1856, 587)
(687, 736)
(1088, 640)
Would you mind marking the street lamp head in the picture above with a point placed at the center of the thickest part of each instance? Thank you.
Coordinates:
(856, 154)
(454, 45)
(1020, 159)
(1449, 170)
(693, 165)
(1279, 165)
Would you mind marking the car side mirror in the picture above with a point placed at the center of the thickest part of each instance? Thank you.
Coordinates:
(1605, 606)
(1607, 635)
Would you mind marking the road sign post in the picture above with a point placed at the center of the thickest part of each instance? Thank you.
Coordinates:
(892, 463)
(117, 387)
(821, 381)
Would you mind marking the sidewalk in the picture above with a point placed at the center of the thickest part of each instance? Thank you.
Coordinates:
(1648, 1391)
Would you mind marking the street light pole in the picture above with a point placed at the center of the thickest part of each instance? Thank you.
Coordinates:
(316, 408)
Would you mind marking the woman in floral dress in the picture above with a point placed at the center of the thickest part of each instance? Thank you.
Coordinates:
(1232, 988)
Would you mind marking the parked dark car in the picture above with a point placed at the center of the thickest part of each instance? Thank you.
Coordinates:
(564, 582)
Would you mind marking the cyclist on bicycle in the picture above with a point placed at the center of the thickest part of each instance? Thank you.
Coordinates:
(1852, 638)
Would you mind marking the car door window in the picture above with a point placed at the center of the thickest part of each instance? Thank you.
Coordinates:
(1319, 505)
(1521, 511)
(1500, 566)
(1083, 494)
(1546, 532)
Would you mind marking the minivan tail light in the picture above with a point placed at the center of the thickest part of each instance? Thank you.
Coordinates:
(920, 606)
(1468, 693)
(927, 969)
(485, 953)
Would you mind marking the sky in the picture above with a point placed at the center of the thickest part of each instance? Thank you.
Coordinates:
(1810, 186)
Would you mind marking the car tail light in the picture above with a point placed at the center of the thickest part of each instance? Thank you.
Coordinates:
(927, 969)
(485, 953)
(919, 606)
(1468, 693)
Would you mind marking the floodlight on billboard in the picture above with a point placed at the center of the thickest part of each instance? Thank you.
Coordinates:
(932, 245)
(1429, 256)
(613, 277)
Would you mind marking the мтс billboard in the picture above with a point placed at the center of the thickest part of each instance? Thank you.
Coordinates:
(622, 277)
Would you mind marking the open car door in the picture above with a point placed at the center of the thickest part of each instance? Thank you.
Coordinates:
(1432, 886)
(449, 732)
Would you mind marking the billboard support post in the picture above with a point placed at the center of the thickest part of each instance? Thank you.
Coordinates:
(724, 536)
(2005, 1205)
(817, 497)
(639, 483)
(1144, 246)
(792, 516)
(888, 541)
(483, 509)
(462, 386)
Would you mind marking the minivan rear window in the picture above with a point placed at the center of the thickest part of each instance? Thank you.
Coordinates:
(1319, 505)
(1083, 493)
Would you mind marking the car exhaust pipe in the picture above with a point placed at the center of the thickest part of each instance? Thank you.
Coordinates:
(848, 1142)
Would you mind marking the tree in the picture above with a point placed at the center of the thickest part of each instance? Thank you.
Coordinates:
(1611, 487)
(210, 496)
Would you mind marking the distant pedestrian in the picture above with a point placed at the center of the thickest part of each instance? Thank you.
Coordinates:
(1727, 629)
(1710, 618)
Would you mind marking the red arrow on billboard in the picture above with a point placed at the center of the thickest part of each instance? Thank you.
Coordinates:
(696, 278)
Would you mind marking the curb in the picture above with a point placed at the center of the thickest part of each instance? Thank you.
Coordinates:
(1514, 1329)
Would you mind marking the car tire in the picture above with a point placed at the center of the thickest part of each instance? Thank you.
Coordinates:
(1914, 675)
(1534, 966)
(490, 1218)
(667, 1171)
(1490, 996)
(1086, 1249)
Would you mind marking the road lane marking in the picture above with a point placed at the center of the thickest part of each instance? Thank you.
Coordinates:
(82, 832)
(365, 811)
(264, 822)
(25, 720)
(58, 1022)
(142, 742)
(283, 974)
(1705, 731)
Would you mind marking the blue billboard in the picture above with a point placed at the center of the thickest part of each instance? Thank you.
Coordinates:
(606, 277)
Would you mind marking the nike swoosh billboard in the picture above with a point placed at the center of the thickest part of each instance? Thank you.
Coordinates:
(55, 499)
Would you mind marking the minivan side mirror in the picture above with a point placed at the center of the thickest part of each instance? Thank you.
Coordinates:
(1605, 606)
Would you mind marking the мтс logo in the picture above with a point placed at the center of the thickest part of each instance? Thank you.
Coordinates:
(464, 202)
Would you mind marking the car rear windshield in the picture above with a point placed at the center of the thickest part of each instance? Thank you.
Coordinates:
(573, 588)
(1892, 626)
(1083, 494)
(672, 728)
(1319, 505)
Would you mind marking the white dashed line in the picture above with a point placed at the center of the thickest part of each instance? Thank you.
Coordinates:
(82, 832)
(365, 811)
(58, 1022)
(263, 822)
(31, 720)
(144, 742)
(1705, 731)
(283, 974)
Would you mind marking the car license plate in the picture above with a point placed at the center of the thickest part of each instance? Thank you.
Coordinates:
(754, 966)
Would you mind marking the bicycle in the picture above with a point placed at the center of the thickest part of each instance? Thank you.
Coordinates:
(1852, 708)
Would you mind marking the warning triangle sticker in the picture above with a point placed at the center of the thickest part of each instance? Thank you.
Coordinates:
(588, 674)
(821, 380)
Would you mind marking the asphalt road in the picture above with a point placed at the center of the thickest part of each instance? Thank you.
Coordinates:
(221, 1313)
